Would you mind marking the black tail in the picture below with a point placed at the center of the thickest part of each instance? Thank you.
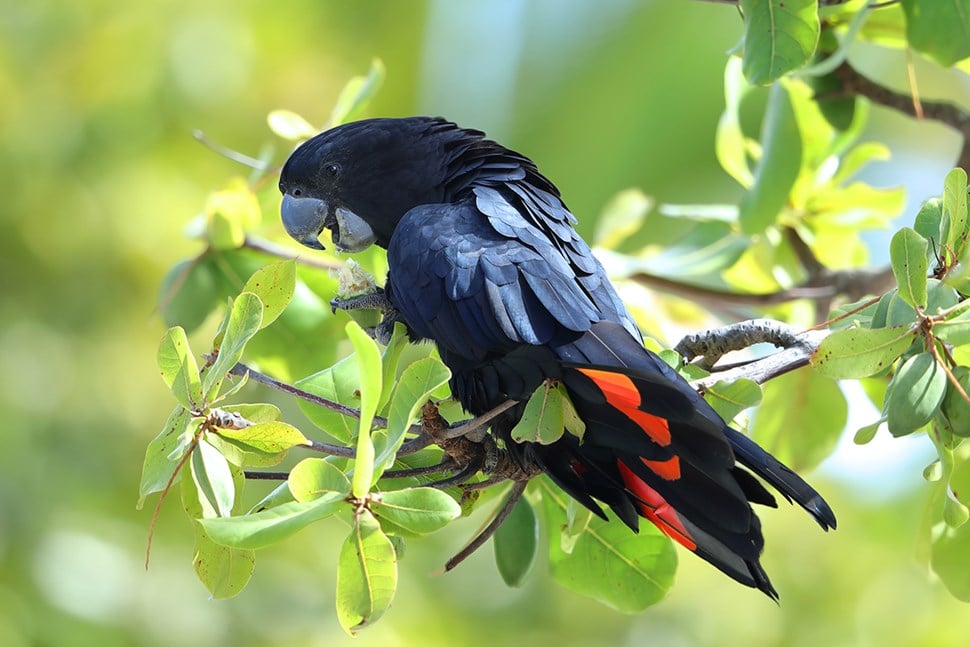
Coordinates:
(654, 448)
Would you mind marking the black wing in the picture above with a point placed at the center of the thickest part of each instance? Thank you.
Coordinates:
(496, 271)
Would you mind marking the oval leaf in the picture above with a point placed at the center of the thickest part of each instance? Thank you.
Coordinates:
(312, 478)
(274, 284)
(267, 437)
(859, 352)
(224, 571)
(955, 206)
(165, 452)
(801, 419)
(418, 510)
(213, 480)
(939, 28)
(289, 125)
(907, 252)
(413, 389)
(244, 320)
(778, 168)
(779, 36)
(366, 575)
(543, 420)
(917, 391)
(369, 365)
(516, 543)
(272, 525)
(339, 383)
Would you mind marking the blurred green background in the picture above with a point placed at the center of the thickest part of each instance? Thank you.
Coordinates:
(98, 102)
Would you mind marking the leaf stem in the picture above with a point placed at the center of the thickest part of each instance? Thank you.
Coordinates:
(514, 495)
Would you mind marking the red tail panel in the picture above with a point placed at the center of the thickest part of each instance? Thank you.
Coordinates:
(622, 394)
(656, 509)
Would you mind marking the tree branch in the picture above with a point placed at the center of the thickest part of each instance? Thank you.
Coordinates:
(947, 113)
(761, 370)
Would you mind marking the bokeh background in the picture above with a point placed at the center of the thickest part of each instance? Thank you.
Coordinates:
(100, 174)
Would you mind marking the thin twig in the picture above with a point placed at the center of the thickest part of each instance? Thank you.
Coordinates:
(410, 472)
(330, 450)
(241, 369)
(733, 298)
(457, 478)
(947, 113)
(482, 485)
(931, 342)
(415, 445)
(469, 426)
(514, 495)
(266, 476)
(272, 249)
(228, 153)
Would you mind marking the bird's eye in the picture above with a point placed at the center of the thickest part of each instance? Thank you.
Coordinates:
(333, 169)
(297, 193)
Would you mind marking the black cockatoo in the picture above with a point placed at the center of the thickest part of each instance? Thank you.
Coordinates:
(484, 261)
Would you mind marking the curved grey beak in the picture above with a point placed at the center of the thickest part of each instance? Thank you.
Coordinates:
(304, 219)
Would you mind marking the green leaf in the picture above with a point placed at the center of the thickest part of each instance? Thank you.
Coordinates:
(543, 420)
(357, 94)
(172, 353)
(621, 218)
(917, 390)
(954, 407)
(907, 252)
(189, 293)
(366, 575)
(164, 453)
(389, 362)
(339, 383)
(626, 571)
(730, 143)
(369, 364)
(955, 332)
(578, 517)
(244, 320)
(289, 125)
(955, 209)
(939, 28)
(272, 525)
(224, 571)
(179, 369)
(267, 437)
(213, 480)
(929, 221)
(312, 478)
(229, 213)
(571, 420)
(731, 398)
(516, 543)
(415, 386)
(778, 167)
(419, 511)
(274, 285)
(801, 418)
(779, 36)
(255, 412)
(859, 352)
(864, 435)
